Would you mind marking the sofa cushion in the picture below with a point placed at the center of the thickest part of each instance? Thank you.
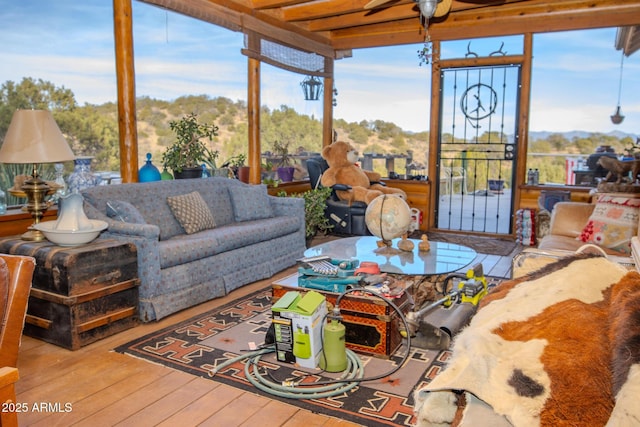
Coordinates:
(250, 203)
(569, 218)
(183, 248)
(186, 248)
(613, 223)
(124, 212)
(192, 212)
(247, 233)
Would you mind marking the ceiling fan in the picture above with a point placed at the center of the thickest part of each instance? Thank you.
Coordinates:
(428, 8)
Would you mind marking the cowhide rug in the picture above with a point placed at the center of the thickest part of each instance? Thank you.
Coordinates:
(558, 347)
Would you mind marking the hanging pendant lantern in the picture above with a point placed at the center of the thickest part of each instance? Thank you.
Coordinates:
(312, 88)
(617, 117)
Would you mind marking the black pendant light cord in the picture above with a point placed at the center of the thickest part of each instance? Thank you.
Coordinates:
(620, 83)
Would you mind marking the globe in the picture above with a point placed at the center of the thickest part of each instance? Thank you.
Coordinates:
(387, 217)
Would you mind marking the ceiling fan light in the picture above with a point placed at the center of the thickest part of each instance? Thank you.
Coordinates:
(427, 7)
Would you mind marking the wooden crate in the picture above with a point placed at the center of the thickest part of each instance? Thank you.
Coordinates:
(372, 326)
(79, 294)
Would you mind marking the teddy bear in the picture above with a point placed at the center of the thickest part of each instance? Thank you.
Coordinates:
(365, 187)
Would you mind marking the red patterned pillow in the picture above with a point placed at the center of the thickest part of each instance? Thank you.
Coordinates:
(614, 222)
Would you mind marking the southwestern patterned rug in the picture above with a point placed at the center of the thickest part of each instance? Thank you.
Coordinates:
(204, 342)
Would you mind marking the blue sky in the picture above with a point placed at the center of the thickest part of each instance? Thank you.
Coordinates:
(70, 43)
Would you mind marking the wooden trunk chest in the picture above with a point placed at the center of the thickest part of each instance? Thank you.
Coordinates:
(372, 326)
(79, 294)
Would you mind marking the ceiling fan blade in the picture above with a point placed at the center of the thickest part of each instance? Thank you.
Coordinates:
(375, 3)
(444, 6)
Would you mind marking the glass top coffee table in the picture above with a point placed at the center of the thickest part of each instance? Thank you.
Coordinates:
(442, 258)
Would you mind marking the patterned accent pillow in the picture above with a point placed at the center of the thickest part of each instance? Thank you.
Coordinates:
(124, 211)
(192, 212)
(250, 202)
(613, 223)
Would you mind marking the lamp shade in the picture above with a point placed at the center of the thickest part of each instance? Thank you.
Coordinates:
(34, 137)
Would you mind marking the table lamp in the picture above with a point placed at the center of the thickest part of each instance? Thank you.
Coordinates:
(34, 137)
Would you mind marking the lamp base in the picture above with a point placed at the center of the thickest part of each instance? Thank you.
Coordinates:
(36, 190)
(33, 236)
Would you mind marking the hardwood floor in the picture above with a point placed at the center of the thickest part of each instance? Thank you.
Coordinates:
(95, 386)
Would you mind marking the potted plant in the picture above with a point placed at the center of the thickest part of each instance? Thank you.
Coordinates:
(189, 152)
(267, 171)
(315, 203)
(285, 170)
(240, 170)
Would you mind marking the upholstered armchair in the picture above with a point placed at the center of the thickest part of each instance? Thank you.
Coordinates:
(610, 226)
(16, 273)
(610, 223)
(568, 219)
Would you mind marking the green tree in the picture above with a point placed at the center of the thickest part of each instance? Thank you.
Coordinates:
(386, 130)
(286, 125)
(358, 134)
(558, 141)
(32, 94)
(399, 144)
(584, 145)
(540, 146)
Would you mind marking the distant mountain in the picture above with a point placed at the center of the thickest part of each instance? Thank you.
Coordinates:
(536, 135)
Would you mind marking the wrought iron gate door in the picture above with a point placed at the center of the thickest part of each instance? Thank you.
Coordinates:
(477, 148)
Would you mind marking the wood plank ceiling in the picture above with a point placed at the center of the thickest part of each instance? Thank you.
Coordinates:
(325, 26)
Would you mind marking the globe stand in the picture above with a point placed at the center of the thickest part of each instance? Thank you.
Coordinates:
(388, 217)
(384, 243)
(405, 244)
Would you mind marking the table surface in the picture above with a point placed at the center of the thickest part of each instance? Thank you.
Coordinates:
(442, 258)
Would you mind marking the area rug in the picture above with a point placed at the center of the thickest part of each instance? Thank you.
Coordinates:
(205, 341)
(480, 244)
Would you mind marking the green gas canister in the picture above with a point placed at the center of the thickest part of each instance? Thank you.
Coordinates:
(334, 354)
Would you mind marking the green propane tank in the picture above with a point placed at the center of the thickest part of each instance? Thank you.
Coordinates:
(334, 354)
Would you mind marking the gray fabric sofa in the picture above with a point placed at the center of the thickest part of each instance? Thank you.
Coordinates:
(255, 236)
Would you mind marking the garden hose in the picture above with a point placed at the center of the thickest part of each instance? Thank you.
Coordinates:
(350, 378)
(289, 389)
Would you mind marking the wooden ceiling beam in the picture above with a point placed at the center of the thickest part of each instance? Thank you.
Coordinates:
(237, 17)
(628, 40)
(332, 8)
(538, 17)
(271, 4)
(312, 10)
(361, 18)
(323, 25)
(202, 10)
(290, 38)
(385, 34)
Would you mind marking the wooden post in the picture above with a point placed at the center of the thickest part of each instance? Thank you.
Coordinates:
(127, 122)
(253, 113)
(327, 112)
(523, 120)
(434, 131)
